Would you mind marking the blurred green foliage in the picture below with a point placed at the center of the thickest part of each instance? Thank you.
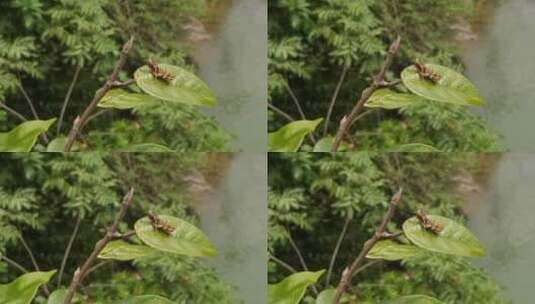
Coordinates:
(311, 42)
(43, 194)
(42, 42)
(312, 194)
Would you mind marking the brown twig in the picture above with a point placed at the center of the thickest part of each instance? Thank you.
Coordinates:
(301, 258)
(334, 98)
(378, 82)
(67, 98)
(80, 121)
(43, 136)
(123, 84)
(299, 109)
(81, 272)
(368, 245)
(68, 249)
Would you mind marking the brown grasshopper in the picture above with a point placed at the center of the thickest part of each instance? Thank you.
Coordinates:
(158, 72)
(426, 73)
(428, 224)
(160, 225)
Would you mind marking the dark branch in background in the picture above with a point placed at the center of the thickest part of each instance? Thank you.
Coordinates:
(34, 262)
(68, 250)
(81, 272)
(333, 99)
(13, 263)
(13, 112)
(347, 275)
(378, 82)
(44, 137)
(336, 249)
(298, 105)
(301, 259)
(280, 112)
(80, 121)
(282, 263)
(67, 98)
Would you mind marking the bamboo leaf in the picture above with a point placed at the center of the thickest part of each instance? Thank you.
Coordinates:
(123, 251)
(23, 137)
(290, 137)
(292, 289)
(23, 289)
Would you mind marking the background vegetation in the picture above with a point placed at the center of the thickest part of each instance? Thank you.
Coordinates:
(42, 195)
(43, 42)
(311, 195)
(312, 42)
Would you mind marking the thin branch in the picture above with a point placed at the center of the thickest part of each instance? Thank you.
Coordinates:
(29, 100)
(81, 272)
(68, 249)
(280, 112)
(347, 275)
(97, 266)
(301, 259)
(67, 98)
(123, 84)
(336, 249)
(298, 252)
(333, 99)
(10, 110)
(43, 136)
(378, 82)
(80, 121)
(300, 110)
(296, 101)
(34, 262)
(282, 263)
(366, 266)
(13, 263)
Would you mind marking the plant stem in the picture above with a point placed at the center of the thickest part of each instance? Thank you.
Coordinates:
(13, 263)
(334, 98)
(81, 272)
(43, 136)
(80, 120)
(13, 112)
(68, 250)
(336, 249)
(301, 259)
(282, 263)
(280, 112)
(378, 82)
(67, 98)
(368, 245)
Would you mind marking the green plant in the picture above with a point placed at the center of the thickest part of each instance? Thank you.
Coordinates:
(75, 46)
(49, 200)
(327, 59)
(325, 208)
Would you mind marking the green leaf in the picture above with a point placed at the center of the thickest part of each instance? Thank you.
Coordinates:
(146, 299)
(325, 144)
(416, 147)
(58, 296)
(415, 299)
(393, 251)
(23, 289)
(147, 147)
(388, 99)
(290, 137)
(327, 296)
(185, 240)
(58, 145)
(452, 87)
(292, 289)
(23, 137)
(185, 88)
(123, 251)
(122, 99)
(453, 239)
